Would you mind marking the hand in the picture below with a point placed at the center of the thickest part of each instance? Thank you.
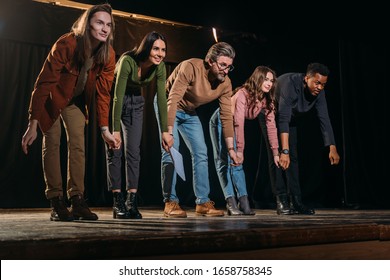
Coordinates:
(333, 155)
(276, 160)
(167, 141)
(109, 139)
(118, 139)
(334, 158)
(236, 160)
(284, 161)
(239, 158)
(30, 135)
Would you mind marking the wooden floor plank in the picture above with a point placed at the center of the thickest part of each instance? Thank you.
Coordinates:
(330, 233)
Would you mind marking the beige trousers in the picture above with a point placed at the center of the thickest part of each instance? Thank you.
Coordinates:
(74, 124)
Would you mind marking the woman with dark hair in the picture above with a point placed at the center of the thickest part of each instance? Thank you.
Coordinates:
(79, 67)
(248, 100)
(134, 70)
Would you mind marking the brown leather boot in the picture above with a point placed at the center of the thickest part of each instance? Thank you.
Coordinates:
(173, 210)
(208, 209)
(59, 211)
(80, 210)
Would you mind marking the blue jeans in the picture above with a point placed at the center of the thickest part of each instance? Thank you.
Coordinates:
(231, 178)
(191, 131)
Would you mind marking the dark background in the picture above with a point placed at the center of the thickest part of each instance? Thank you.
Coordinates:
(351, 40)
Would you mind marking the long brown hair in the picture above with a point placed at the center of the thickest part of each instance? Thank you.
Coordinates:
(253, 86)
(81, 28)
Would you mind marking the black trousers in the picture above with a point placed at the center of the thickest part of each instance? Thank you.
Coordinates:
(131, 125)
(283, 182)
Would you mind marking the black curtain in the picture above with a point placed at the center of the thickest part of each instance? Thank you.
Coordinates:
(357, 93)
(20, 176)
(365, 93)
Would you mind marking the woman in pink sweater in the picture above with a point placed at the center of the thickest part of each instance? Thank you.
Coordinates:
(248, 100)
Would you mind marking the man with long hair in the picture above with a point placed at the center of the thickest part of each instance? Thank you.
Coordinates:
(79, 67)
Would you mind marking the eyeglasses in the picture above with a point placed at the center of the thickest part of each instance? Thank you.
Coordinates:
(223, 67)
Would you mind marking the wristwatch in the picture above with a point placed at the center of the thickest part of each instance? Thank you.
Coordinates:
(285, 151)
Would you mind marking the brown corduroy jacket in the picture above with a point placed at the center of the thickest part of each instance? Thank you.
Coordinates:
(55, 85)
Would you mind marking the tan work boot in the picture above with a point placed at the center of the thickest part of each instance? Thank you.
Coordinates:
(173, 210)
(208, 209)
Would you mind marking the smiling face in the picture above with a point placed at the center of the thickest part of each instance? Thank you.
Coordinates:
(158, 52)
(268, 82)
(100, 27)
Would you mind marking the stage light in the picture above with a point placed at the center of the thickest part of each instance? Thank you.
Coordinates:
(215, 34)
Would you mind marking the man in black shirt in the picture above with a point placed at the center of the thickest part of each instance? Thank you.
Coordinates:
(297, 93)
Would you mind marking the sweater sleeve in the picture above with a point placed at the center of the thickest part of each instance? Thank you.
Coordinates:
(103, 86)
(177, 85)
(226, 115)
(325, 124)
(286, 103)
(272, 131)
(239, 120)
(124, 70)
(161, 76)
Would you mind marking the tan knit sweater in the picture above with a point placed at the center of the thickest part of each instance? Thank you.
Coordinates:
(188, 87)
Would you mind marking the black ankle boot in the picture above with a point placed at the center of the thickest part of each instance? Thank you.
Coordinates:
(131, 205)
(80, 210)
(231, 206)
(283, 205)
(119, 210)
(244, 205)
(59, 211)
(298, 207)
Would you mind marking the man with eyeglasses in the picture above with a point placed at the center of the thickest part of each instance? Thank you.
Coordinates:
(195, 82)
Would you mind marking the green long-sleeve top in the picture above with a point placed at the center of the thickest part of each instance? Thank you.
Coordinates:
(128, 82)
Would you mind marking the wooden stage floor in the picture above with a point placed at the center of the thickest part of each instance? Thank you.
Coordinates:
(329, 234)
